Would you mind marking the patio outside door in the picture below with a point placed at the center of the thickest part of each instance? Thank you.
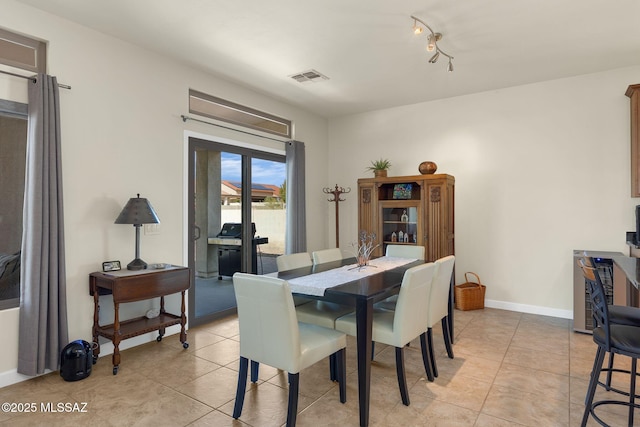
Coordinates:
(219, 177)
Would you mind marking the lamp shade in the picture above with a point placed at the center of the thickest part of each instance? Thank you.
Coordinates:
(138, 210)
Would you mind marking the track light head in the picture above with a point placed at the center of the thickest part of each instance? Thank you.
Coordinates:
(432, 39)
(416, 28)
(450, 66)
(434, 58)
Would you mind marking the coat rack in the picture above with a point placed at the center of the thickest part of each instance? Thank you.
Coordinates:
(336, 192)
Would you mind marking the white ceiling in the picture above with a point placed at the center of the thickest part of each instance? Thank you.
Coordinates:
(367, 47)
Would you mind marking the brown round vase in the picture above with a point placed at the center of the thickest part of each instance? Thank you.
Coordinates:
(380, 173)
(427, 168)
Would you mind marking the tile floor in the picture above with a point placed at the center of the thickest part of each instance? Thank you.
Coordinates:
(510, 369)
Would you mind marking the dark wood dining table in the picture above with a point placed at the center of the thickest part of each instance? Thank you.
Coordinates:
(361, 294)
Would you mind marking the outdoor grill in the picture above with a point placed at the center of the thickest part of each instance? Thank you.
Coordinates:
(229, 243)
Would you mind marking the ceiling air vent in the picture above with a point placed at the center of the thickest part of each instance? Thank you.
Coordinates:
(309, 76)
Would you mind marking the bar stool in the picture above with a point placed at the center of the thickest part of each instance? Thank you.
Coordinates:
(610, 338)
(618, 315)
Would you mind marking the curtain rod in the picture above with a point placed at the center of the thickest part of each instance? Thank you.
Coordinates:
(185, 118)
(63, 86)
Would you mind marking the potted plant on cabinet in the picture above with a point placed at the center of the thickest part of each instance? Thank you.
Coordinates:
(379, 167)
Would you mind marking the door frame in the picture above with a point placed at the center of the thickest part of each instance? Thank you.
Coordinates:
(193, 140)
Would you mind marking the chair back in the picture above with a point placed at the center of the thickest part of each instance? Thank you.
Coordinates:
(405, 251)
(597, 296)
(293, 261)
(268, 325)
(326, 255)
(438, 300)
(410, 316)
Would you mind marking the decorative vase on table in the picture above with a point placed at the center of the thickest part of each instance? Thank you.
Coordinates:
(427, 168)
(363, 248)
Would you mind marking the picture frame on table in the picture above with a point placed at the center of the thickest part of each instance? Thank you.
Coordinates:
(111, 266)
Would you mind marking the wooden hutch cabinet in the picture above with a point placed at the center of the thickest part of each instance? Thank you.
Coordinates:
(409, 210)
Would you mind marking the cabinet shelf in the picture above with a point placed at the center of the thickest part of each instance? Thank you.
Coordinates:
(139, 325)
(389, 242)
(400, 222)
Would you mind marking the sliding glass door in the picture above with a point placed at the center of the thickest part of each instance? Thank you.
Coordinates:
(236, 218)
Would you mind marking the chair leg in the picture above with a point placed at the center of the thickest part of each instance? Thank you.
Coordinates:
(607, 384)
(632, 389)
(600, 349)
(426, 359)
(332, 368)
(593, 383)
(432, 354)
(255, 367)
(242, 385)
(341, 373)
(292, 410)
(447, 336)
(402, 379)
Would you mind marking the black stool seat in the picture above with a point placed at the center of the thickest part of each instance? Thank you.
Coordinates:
(624, 339)
(624, 315)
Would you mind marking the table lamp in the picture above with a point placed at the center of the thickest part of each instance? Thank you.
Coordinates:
(137, 211)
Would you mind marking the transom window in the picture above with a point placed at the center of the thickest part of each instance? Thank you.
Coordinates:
(22, 52)
(230, 112)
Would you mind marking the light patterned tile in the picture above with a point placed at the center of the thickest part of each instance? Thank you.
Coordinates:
(526, 408)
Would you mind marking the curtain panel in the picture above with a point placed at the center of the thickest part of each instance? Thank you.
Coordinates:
(296, 220)
(43, 328)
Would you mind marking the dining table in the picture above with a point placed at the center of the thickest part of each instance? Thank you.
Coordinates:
(360, 291)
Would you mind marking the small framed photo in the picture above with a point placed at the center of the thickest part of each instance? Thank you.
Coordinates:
(111, 266)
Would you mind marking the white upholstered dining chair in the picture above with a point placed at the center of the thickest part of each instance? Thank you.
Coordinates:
(326, 255)
(293, 261)
(405, 251)
(271, 334)
(407, 322)
(400, 251)
(439, 307)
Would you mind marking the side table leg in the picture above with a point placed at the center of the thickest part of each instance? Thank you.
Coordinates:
(183, 324)
(96, 312)
(116, 338)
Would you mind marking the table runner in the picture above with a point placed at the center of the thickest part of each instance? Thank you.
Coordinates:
(316, 284)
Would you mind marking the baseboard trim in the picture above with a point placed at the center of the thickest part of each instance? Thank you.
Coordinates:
(106, 349)
(531, 309)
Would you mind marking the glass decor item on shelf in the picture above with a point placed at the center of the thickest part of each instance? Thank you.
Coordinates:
(394, 237)
(364, 247)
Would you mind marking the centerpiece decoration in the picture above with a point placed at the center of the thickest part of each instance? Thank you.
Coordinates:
(363, 248)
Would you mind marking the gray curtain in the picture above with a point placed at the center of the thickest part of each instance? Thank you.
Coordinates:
(296, 234)
(43, 301)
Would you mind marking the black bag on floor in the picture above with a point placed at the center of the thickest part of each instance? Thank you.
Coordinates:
(76, 360)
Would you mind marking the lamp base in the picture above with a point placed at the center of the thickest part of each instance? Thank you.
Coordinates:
(137, 264)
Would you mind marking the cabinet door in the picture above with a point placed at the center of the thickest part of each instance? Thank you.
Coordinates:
(366, 211)
(400, 223)
(439, 236)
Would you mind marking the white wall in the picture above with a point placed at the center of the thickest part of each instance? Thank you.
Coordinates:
(122, 135)
(540, 170)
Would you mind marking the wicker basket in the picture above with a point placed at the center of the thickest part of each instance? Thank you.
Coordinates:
(470, 295)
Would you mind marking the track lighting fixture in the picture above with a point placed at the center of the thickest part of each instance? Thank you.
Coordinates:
(432, 41)
(416, 28)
